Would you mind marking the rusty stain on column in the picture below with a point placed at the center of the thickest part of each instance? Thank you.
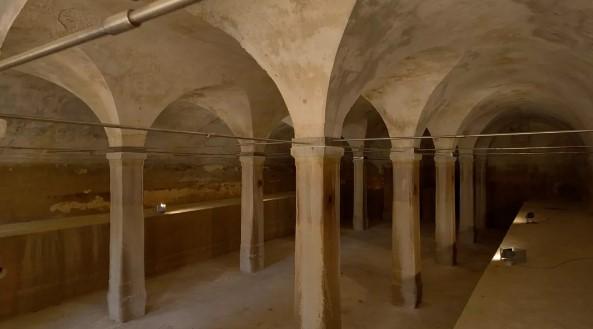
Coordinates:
(446, 244)
(407, 260)
(317, 249)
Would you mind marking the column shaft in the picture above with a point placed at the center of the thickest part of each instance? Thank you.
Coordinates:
(317, 247)
(446, 249)
(387, 192)
(127, 293)
(359, 215)
(252, 213)
(467, 218)
(480, 202)
(407, 261)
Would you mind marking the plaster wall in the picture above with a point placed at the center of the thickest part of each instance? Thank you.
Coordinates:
(514, 180)
(40, 187)
(47, 268)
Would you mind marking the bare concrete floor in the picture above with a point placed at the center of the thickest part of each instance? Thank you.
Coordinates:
(553, 288)
(215, 295)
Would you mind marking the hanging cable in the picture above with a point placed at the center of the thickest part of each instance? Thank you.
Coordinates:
(129, 127)
(94, 151)
(527, 133)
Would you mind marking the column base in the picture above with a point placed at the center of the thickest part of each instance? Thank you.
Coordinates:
(360, 225)
(408, 293)
(126, 308)
(479, 235)
(252, 262)
(446, 255)
(467, 237)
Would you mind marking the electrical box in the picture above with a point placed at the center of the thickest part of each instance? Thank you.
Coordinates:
(513, 256)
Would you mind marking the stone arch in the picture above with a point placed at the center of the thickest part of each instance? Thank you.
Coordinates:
(197, 168)
(73, 69)
(188, 114)
(291, 39)
(229, 104)
(9, 10)
(427, 180)
(29, 95)
(514, 75)
(75, 72)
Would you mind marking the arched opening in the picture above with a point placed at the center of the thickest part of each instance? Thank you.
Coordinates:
(200, 180)
(364, 122)
(279, 171)
(551, 168)
(55, 180)
(280, 181)
(193, 168)
(379, 172)
(427, 183)
(347, 188)
(193, 171)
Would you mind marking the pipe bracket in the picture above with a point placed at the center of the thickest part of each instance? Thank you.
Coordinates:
(118, 23)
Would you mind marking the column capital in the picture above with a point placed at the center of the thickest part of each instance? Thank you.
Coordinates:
(444, 157)
(316, 151)
(252, 155)
(356, 156)
(252, 158)
(126, 153)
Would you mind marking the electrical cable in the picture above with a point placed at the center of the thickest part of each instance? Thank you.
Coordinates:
(552, 267)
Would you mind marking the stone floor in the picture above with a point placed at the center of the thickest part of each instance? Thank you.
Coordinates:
(215, 295)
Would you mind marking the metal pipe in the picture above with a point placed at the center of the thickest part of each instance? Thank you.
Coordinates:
(527, 133)
(92, 151)
(112, 25)
(505, 154)
(526, 148)
(127, 127)
(532, 153)
(156, 9)
(403, 149)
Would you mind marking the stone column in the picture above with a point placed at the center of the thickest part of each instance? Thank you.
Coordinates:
(480, 202)
(407, 261)
(126, 297)
(466, 221)
(446, 249)
(317, 245)
(387, 192)
(252, 212)
(359, 215)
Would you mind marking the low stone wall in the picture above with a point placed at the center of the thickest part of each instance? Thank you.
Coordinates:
(48, 261)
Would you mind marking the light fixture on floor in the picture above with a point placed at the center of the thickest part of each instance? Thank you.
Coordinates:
(513, 256)
(530, 218)
(161, 208)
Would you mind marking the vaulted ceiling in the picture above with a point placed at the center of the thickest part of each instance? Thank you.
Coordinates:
(450, 66)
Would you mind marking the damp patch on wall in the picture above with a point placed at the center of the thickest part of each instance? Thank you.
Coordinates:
(67, 207)
(213, 168)
(197, 192)
(3, 125)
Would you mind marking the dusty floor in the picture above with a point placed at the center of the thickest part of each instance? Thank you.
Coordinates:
(215, 295)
